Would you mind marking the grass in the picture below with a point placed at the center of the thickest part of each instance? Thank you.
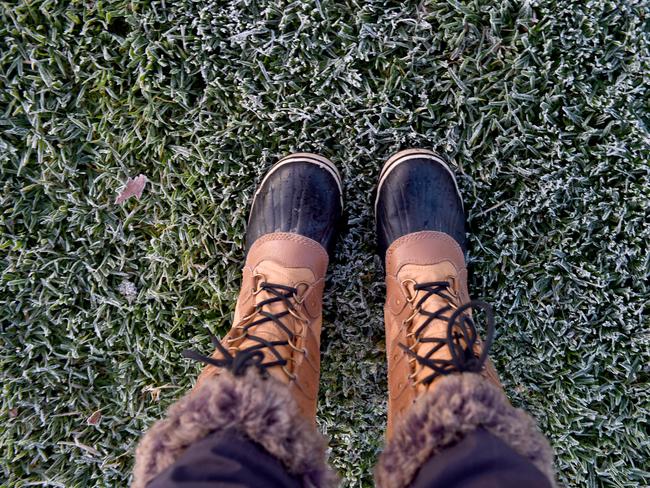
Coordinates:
(541, 106)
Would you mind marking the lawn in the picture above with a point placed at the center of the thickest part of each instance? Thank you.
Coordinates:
(542, 108)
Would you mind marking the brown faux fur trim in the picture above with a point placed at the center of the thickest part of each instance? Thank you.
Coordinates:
(460, 404)
(262, 409)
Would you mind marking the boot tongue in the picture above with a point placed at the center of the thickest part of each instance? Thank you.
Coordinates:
(277, 274)
(436, 328)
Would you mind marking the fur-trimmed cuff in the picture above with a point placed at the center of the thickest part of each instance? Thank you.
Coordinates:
(459, 405)
(262, 409)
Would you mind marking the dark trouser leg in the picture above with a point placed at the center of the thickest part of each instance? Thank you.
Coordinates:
(233, 432)
(225, 459)
(466, 434)
(480, 460)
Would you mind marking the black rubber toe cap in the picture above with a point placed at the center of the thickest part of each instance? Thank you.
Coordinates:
(302, 197)
(415, 195)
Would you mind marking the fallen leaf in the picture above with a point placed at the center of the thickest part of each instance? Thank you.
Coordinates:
(133, 188)
(13, 413)
(94, 418)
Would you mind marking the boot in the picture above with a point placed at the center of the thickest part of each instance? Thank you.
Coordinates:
(277, 320)
(263, 376)
(435, 356)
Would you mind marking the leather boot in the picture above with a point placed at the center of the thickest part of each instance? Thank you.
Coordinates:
(277, 320)
(440, 381)
(428, 316)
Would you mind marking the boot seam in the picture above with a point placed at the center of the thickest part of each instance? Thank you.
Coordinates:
(289, 236)
(419, 236)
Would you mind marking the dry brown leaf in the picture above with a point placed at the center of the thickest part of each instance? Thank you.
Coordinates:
(133, 188)
(95, 418)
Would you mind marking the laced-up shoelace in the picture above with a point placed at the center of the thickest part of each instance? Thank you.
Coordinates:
(461, 334)
(242, 359)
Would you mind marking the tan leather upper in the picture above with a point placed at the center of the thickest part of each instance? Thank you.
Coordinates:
(298, 262)
(417, 258)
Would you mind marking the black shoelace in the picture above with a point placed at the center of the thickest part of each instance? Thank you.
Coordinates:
(239, 362)
(461, 334)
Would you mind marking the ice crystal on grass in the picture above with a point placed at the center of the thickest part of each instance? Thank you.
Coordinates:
(128, 290)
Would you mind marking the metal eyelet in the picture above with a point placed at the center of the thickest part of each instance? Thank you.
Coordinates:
(300, 297)
(294, 347)
(291, 376)
(409, 298)
(257, 281)
(296, 315)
